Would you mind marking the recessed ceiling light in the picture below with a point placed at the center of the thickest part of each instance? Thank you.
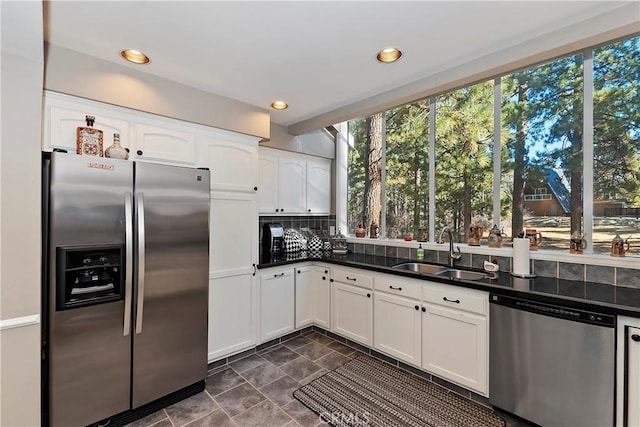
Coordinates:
(135, 56)
(389, 54)
(279, 105)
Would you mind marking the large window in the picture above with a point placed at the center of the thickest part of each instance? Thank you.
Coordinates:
(616, 144)
(542, 121)
(407, 169)
(570, 135)
(464, 166)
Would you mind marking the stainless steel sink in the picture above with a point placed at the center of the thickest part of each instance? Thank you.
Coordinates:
(419, 267)
(463, 274)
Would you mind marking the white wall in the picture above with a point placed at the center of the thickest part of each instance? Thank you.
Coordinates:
(21, 98)
(616, 23)
(75, 73)
(315, 143)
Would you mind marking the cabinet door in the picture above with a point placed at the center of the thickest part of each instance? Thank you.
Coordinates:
(454, 347)
(322, 297)
(305, 286)
(233, 161)
(633, 377)
(232, 288)
(232, 315)
(291, 185)
(353, 312)
(276, 304)
(233, 226)
(61, 126)
(319, 186)
(163, 144)
(267, 184)
(396, 328)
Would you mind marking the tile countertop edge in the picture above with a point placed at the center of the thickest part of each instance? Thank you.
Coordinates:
(383, 265)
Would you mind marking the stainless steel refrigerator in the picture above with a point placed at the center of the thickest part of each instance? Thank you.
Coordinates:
(126, 289)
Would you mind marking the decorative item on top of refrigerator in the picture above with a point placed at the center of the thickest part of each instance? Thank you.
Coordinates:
(116, 151)
(89, 139)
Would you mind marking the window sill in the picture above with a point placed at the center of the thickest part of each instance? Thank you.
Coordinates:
(541, 254)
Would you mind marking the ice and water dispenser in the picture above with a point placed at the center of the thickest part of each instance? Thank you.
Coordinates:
(88, 275)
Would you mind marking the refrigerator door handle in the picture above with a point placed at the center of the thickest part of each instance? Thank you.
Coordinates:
(141, 259)
(128, 218)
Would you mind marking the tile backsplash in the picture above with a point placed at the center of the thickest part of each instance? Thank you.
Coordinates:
(320, 224)
(564, 270)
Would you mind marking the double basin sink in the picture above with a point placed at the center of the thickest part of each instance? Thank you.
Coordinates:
(438, 270)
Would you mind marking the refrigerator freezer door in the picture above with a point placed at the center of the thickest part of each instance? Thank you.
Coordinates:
(89, 356)
(170, 334)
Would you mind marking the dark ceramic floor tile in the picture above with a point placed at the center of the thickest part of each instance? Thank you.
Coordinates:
(191, 409)
(312, 377)
(263, 375)
(164, 423)
(300, 368)
(239, 399)
(243, 365)
(149, 419)
(314, 350)
(280, 355)
(296, 342)
(264, 414)
(281, 391)
(341, 348)
(222, 381)
(215, 419)
(319, 338)
(332, 360)
(301, 414)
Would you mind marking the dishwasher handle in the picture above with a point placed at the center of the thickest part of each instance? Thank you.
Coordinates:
(552, 310)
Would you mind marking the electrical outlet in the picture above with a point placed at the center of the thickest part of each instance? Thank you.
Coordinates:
(332, 230)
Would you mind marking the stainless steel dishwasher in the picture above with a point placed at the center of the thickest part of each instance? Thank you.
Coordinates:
(552, 365)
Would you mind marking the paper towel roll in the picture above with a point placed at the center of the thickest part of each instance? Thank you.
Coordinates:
(521, 257)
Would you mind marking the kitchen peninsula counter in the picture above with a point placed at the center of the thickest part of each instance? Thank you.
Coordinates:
(606, 298)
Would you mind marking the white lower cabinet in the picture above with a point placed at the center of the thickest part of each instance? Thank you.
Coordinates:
(628, 372)
(313, 297)
(305, 287)
(455, 342)
(276, 303)
(633, 375)
(353, 312)
(232, 315)
(322, 296)
(397, 327)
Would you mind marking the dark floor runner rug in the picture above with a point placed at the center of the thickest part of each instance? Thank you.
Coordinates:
(368, 392)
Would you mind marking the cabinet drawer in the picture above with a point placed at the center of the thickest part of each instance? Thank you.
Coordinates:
(454, 297)
(353, 278)
(397, 286)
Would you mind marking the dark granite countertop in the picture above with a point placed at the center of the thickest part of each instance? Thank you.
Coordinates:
(602, 297)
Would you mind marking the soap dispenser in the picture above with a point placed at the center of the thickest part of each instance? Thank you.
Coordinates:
(420, 253)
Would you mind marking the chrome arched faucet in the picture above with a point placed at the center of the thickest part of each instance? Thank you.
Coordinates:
(453, 256)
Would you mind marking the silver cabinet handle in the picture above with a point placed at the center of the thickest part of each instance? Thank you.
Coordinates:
(128, 235)
(141, 259)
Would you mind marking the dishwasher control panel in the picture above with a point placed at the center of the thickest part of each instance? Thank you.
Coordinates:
(555, 311)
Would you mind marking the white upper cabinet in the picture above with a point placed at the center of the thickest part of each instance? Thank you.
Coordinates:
(164, 144)
(231, 157)
(318, 186)
(233, 160)
(63, 117)
(291, 184)
(268, 183)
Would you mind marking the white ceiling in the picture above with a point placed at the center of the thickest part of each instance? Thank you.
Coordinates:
(317, 56)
